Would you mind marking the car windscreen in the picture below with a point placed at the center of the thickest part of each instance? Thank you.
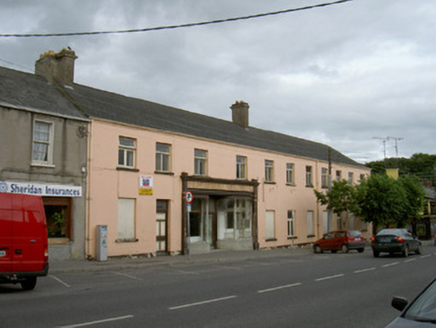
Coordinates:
(424, 307)
(354, 233)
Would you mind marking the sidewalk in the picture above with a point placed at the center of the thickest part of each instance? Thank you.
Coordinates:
(215, 256)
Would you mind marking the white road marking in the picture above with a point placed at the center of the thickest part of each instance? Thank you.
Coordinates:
(410, 260)
(186, 272)
(364, 270)
(330, 277)
(425, 256)
(201, 303)
(279, 287)
(126, 275)
(98, 322)
(390, 264)
(58, 280)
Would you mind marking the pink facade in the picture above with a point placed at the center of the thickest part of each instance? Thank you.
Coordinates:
(227, 212)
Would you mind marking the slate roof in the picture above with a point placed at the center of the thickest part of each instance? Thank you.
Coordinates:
(29, 91)
(23, 89)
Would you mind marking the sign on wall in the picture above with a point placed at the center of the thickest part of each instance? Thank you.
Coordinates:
(40, 189)
(146, 185)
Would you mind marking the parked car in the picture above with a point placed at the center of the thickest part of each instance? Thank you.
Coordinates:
(23, 240)
(420, 313)
(395, 241)
(343, 240)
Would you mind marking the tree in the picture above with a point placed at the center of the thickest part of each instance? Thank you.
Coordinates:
(339, 199)
(387, 202)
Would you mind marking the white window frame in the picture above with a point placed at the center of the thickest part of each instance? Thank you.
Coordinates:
(200, 162)
(290, 178)
(309, 176)
(324, 178)
(48, 143)
(163, 158)
(125, 151)
(269, 171)
(241, 167)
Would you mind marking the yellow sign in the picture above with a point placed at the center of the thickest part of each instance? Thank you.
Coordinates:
(146, 192)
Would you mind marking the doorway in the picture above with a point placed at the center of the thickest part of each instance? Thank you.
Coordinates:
(161, 227)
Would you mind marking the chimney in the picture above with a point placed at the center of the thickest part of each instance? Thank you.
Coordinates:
(57, 67)
(240, 113)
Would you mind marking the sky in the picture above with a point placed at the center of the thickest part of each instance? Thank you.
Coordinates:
(358, 76)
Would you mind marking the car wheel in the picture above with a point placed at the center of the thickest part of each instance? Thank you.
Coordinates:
(29, 283)
(344, 248)
(376, 253)
(317, 249)
(419, 250)
(406, 251)
(360, 250)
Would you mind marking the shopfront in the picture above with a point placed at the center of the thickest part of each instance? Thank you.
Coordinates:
(220, 215)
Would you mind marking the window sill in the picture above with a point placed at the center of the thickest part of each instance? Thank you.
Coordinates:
(310, 236)
(58, 241)
(292, 237)
(133, 240)
(46, 165)
(309, 186)
(163, 172)
(270, 182)
(271, 239)
(129, 169)
(291, 184)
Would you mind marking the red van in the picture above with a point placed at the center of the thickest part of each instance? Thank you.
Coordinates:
(23, 240)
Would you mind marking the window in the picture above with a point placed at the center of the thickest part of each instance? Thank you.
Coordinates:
(324, 178)
(269, 171)
(362, 177)
(310, 226)
(126, 219)
(200, 162)
(58, 214)
(42, 149)
(163, 157)
(290, 173)
(270, 225)
(338, 175)
(291, 215)
(241, 167)
(350, 178)
(309, 176)
(126, 152)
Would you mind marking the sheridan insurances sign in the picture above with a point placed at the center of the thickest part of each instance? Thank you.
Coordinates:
(40, 189)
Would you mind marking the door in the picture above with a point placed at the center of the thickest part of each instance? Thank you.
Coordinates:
(161, 227)
(5, 233)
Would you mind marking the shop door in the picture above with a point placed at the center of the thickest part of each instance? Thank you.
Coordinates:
(161, 228)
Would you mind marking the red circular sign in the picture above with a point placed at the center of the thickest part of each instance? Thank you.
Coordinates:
(189, 197)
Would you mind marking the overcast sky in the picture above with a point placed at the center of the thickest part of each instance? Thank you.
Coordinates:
(345, 75)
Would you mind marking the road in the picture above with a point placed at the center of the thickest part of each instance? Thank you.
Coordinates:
(328, 290)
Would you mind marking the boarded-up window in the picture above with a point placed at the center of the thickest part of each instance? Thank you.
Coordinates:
(126, 219)
(270, 225)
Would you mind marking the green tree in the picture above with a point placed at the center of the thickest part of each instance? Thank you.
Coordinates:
(388, 202)
(340, 199)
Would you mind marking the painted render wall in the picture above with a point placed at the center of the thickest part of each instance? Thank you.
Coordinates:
(107, 184)
(69, 157)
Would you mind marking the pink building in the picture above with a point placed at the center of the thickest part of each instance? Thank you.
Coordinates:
(168, 181)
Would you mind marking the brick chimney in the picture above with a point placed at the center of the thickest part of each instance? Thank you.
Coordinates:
(57, 67)
(240, 113)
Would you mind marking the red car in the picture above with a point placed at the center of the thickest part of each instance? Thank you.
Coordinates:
(340, 240)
